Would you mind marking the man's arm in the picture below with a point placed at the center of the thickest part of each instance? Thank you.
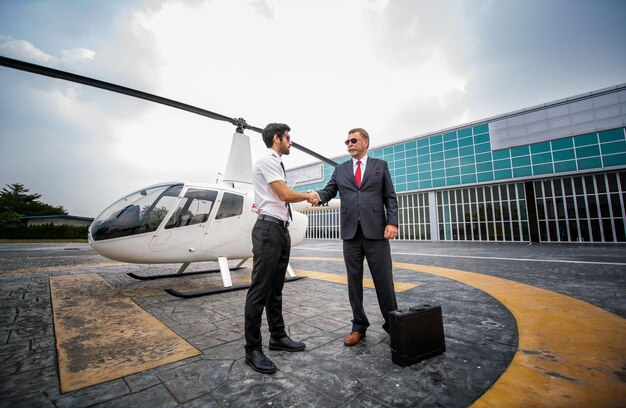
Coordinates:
(391, 205)
(330, 191)
(290, 196)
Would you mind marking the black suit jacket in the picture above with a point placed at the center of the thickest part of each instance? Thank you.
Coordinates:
(366, 204)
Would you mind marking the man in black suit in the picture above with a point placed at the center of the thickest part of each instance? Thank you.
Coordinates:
(366, 191)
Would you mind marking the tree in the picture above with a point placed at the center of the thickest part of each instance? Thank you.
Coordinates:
(14, 199)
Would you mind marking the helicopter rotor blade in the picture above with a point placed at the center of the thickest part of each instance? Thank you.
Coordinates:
(67, 76)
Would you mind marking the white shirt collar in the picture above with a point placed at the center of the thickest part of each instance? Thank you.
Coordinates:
(363, 161)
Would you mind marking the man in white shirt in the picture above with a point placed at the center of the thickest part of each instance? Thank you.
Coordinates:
(271, 247)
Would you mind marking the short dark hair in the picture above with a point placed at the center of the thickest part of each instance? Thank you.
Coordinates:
(362, 131)
(274, 129)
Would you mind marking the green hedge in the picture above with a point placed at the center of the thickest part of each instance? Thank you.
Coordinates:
(44, 231)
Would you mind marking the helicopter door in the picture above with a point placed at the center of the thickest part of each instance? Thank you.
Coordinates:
(227, 226)
(187, 224)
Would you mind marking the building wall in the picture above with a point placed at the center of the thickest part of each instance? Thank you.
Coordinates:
(473, 182)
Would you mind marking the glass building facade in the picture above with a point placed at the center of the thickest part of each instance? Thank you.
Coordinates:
(552, 173)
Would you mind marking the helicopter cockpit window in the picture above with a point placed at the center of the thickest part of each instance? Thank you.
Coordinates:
(232, 205)
(136, 213)
(194, 208)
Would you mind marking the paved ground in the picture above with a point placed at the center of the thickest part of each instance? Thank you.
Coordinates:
(481, 333)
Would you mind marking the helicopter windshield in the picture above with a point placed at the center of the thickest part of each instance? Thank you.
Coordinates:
(136, 213)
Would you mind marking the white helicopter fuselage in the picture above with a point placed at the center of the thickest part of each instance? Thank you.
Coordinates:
(192, 228)
(180, 222)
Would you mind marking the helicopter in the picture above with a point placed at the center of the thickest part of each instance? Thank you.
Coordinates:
(183, 222)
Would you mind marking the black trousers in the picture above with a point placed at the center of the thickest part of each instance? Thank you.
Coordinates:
(271, 247)
(378, 255)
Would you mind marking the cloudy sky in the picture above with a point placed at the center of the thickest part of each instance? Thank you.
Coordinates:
(396, 68)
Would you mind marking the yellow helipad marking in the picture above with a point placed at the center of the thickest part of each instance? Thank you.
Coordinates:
(335, 278)
(570, 353)
(101, 337)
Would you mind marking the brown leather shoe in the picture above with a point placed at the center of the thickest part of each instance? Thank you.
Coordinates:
(353, 339)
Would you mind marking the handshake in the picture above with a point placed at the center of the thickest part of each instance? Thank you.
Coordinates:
(312, 197)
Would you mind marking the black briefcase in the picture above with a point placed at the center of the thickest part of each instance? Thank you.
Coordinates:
(416, 334)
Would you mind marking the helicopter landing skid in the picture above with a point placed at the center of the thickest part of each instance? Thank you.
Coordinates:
(176, 275)
(187, 295)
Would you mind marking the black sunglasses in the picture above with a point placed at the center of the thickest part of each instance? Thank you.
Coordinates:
(353, 141)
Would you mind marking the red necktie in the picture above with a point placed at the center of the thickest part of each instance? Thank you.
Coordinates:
(357, 174)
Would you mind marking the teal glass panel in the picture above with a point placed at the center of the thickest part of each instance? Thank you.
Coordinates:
(614, 147)
(411, 153)
(388, 151)
(464, 132)
(468, 169)
(501, 164)
(484, 128)
(522, 172)
(450, 145)
(412, 161)
(540, 148)
(412, 185)
(482, 148)
(426, 184)
(400, 171)
(400, 179)
(452, 162)
(542, 158)
(450, 154)
(520, 151)
(481, 138)
(520, 161)
(439, 182)
(588, 151)
(563, 155)
(586, 140)
(399, 148)
(452, 171)
(469, 178)
(501, 154)
(423, 142)
(591, 163)
(543, 169)
(438, 174)
(611, 135)
(562, 143)
(466, 160)
(483, 157)
(449, 136)
(569, 165)
(398, 156)
(411, 145)
(502, 174)
(436, 165)
(453, 180)
(424, 175)
(614, 160)
(411, 177)
(466, 151)
(423, 150)
(488, 166)
(400, 187)
(435, 139)
(488, 176)
(423, 167)
(411, 170)
(436, 147)
(436, 156)
(468, 141)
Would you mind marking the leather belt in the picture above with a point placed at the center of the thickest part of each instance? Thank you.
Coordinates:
(274, 220)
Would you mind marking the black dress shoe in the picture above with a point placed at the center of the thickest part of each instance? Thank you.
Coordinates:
(286, 344)
(259, 362)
